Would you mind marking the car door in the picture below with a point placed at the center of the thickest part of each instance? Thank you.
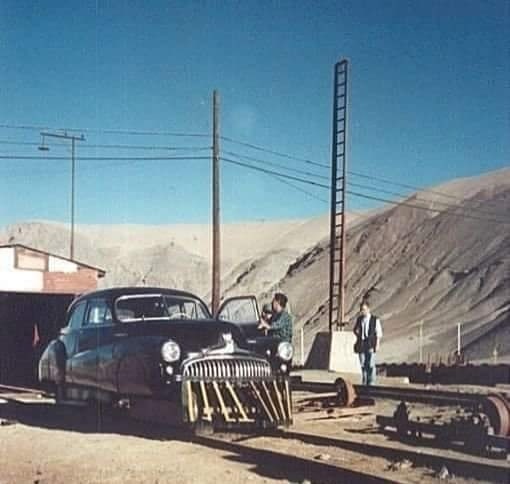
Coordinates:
(96, 345)
(99, 315)
(85, 360)
(69, 336)
(243, 311)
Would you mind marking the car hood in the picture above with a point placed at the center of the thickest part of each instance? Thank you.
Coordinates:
(192, 336)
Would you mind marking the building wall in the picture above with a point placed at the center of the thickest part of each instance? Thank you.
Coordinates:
(60, 265)
(6, 258)
(21, 280)
(48, 274)
(64, 282)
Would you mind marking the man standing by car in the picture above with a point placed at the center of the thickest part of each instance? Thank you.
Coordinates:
(368, 331)
(280, 324)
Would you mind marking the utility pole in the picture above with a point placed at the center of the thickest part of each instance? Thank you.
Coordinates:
(44, 147)
(216, 256)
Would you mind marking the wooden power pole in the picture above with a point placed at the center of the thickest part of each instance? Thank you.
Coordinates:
(44, 147)
(216, 246)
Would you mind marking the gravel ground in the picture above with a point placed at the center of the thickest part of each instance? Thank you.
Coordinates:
(42, 443)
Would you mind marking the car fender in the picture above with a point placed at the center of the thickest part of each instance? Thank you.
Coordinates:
(138, 365)
(52, 363)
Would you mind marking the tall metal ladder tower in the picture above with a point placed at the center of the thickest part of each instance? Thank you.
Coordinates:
(337, 274)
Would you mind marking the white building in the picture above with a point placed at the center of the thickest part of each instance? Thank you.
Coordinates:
(25, 269)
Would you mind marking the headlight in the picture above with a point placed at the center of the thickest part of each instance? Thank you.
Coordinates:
(170, 351)
(285, 351)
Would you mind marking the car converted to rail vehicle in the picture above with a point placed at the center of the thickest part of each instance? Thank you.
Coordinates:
(141, 347)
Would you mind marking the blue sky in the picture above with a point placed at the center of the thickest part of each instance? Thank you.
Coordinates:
(429, 99)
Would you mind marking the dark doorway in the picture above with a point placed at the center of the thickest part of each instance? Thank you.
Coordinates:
(28, 321)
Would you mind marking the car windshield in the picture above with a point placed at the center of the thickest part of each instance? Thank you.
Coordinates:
(143, 307)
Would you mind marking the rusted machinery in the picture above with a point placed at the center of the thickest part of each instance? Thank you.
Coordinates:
(483, 428)
(346, 394)
(343, 397)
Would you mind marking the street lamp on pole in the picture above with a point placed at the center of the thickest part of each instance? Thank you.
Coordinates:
(44, 147)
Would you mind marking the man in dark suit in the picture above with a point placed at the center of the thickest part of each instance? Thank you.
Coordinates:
(368, 331)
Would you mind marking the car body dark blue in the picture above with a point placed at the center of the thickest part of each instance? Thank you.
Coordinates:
(140, 344)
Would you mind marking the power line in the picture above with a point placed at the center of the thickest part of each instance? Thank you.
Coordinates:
(362, 195)
(106, 131)
(277, 165)
(354, 173)
(369, 197)
(410, 187)
(105, 158)
(276, 173)
(111, 146)
(406, 196)
(121, 162)
(276, 153)
(380, 190)
(280, 177)
(80, 168)
(302, 190)
(421, 207)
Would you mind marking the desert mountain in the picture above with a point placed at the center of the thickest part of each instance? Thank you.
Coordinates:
(177, 255)
(438, 268)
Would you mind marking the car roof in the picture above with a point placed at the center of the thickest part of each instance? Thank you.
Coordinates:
(115, 292)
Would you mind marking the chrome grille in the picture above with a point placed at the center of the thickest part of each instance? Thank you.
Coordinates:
(227, 368)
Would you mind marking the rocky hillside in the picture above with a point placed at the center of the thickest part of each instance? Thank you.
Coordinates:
(419, 266)
(179, 255)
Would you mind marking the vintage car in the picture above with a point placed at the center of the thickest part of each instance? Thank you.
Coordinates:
(160, 349)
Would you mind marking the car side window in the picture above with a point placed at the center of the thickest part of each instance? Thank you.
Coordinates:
(76, 317)
(98, 312)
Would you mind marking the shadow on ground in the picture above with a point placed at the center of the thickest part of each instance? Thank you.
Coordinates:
(266, 463)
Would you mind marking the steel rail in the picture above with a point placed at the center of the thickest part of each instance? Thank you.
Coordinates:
(461, 465)
(410, 394)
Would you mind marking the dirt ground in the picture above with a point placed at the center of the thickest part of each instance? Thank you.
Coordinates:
(42, 443)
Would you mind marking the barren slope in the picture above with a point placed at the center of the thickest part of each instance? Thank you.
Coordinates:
(177, 255)
(439, 268)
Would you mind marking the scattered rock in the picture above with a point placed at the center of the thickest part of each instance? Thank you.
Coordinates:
(5, 422)
(322, 457)
(444, 473)
(400, 465)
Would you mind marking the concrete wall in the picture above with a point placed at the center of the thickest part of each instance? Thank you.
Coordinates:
(20, 280)
(60, 265)
(6, 258)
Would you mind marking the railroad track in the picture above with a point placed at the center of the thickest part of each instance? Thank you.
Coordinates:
(410, 394)
(336, 469)
(300, 465)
